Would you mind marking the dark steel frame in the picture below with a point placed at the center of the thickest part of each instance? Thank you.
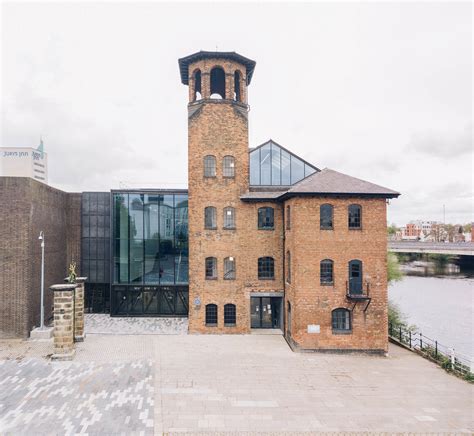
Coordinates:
(180, 290)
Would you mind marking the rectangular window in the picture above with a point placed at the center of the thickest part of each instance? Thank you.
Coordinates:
(210, 166)
(266, 218)
(229, 315)
(211, 315)
(210, 219)
(229, 166)
(326, 272)
(266, 268)
(326, 217)
(355, 214)
(211, 268)
(229, 218)
(229, 268)
(288, 217)
(341, 320)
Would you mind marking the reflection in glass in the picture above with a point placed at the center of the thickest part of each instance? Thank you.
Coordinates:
(297, 170)
(121, 215)
(154, 245)
(181, 239)
(150, 217)
(270, 164)
(121, 261)
(265, 165)
(152, 261)
(255, 168)
(135, 208)
(285, 168)
(276, 165)
(136, 261)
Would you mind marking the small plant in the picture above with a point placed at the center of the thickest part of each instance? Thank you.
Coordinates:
(72, 273)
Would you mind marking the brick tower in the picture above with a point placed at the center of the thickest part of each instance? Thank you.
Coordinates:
(218, 174)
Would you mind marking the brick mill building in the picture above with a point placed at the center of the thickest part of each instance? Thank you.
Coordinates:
(261, 239)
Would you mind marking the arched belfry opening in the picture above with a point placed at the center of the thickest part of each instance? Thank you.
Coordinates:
(197, 85)
(237, 91)
(217, 83)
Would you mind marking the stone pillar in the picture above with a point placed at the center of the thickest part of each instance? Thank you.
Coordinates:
(79, 334)
(63, 321)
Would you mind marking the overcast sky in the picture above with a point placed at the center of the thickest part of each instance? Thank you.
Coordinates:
(380, 91)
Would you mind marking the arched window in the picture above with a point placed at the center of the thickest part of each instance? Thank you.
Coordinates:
(266, 268)
(326, 272)
(197, 85)
(288, 267)
(326, 217)
(229, 218)
(210, 166)
(288, 217)
(355, 216)
(211, 315)
(211, 268)
(266, 218)
(341, 320)
(228, 167)
(229, 315)
(210, 219)
(237, 93)
(229, 268)
(217, 83)
(355, 277)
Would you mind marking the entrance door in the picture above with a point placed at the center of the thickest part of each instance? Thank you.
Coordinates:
(265, 312)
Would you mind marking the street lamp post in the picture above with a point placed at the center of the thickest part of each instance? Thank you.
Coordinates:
(41, 238)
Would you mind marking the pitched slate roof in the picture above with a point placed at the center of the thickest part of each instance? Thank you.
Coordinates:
(326, 182)
(257, 195)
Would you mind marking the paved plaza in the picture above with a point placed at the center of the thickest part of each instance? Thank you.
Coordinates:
(212, 384)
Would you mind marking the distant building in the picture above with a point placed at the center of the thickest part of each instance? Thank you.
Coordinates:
(419, 230)
(24, 162)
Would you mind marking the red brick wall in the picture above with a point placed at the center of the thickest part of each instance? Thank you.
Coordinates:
(313, 303)
(220, 128)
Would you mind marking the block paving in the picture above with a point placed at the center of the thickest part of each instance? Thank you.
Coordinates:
(220, 384)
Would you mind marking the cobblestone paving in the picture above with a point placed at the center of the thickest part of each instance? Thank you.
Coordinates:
(216, 384)
(43, 398)
(98, 323)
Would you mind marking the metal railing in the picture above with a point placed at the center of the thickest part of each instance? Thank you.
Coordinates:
(443, 355)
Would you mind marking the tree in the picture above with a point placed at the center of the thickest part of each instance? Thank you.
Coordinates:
(392, 229)
(394, 274)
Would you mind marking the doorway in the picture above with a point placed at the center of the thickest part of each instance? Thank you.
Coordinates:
(265, 312)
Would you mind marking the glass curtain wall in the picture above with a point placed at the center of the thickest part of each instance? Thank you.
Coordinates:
(150, 268)
(151, 238)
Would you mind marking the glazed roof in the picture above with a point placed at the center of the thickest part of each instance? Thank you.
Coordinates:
(230, 55)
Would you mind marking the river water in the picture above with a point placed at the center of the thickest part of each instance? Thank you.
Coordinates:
(442, 308)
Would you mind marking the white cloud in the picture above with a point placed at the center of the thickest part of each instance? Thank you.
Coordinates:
(345, 86)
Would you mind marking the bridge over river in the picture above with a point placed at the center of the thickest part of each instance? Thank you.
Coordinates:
(453, 248)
